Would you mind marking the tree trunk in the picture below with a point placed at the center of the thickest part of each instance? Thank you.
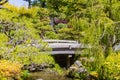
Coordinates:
(29, 3)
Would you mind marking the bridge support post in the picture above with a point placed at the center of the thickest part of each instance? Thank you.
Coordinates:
(68, 60)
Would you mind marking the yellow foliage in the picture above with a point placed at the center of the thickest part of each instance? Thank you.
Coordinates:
(94, 73)
(32, 12)
(10, 7)
(9, 69)
(112, 67)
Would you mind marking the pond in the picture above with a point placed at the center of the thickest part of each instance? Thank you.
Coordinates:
(47, 76)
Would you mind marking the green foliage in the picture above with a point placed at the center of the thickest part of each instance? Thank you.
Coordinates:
(111, 67)
(69, 34)
(23, 54)
(93, 59)
(79, 24)
(92, 22)
(3, 40)
(51, 35)
(43, 58)
(60, 26)
(58, 69)
(25, 74)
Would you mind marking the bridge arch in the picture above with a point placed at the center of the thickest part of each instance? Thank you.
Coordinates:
(64, 51)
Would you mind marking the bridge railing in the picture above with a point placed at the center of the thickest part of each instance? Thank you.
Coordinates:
(60, 41)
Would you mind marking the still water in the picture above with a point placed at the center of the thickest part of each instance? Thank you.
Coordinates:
(47, 76)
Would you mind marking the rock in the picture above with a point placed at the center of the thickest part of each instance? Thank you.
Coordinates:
(37, 67)
(73, 68)
(78, 63)
(77, 70)
(40, 67)
(82, 70)
(32, 69)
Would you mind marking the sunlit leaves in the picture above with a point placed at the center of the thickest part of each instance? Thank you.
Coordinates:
(23, 11)
(79, 24)
(111, 67)
(115, 11)
(3, 40)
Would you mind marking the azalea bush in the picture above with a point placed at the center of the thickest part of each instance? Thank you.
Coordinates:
(10, 70)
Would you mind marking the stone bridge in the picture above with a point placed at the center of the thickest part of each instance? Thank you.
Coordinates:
(64, 51)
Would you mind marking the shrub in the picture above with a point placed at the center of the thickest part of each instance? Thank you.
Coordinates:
(51, 35)
(10, 70)
(43, 58)
(111, 67)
